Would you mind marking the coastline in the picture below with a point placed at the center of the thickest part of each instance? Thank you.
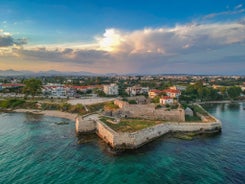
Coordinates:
(52, 113)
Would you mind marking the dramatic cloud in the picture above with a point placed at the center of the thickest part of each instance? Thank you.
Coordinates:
(150, 50)
(172, 41)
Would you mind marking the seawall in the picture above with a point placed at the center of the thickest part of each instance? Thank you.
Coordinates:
(133, 140)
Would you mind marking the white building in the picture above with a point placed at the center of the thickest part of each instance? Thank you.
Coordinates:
(111, 89)
(57, 90)
(137, 90)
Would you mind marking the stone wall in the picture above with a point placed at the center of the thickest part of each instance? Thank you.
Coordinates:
(132, 140)
(127, 140)
(148, 111)
(84, 126)
(121, 104)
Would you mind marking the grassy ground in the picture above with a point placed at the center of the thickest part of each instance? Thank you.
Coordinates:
(130, 125)
(192, 118)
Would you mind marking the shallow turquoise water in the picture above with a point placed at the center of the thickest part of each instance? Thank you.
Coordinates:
(33, 149)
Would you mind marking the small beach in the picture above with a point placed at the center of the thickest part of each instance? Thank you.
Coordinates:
(52, 113)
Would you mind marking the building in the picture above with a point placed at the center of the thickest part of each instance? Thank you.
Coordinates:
(58, 90)
(11, 86)
(166, 100)
(154, 92)
(111, 89)
(173, 93)
(178, 87)
(137, 90)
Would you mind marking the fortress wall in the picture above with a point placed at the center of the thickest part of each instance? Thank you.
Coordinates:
(127, 140)
(85, 126)
(132, 140)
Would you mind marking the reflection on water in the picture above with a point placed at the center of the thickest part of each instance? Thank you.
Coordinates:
(234, 106)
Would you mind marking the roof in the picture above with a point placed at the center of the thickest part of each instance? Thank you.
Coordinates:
(156, 91)
(12, 85)
(172, 91)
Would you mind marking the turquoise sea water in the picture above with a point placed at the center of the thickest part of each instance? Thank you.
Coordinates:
(33, 149)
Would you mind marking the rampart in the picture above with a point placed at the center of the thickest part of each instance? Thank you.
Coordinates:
(132, 140)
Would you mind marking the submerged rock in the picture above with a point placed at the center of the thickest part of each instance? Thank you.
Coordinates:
(62, 123)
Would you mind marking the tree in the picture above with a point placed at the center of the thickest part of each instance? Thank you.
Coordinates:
(32, 87)
(234, 91)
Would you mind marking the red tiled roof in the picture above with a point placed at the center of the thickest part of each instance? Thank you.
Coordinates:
(156, 91)
(13, 85)
(172, 91)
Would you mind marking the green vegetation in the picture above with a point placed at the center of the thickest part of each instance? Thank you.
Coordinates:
(32, 87)
(17, 103)
(64, 107)
(11, 103)
(155, 99)
(100, 93)
(132, 102)
(96, 107)
(234, 92)
(198, 91)
(204, 93)
(110, 106)
(198, 109)
(131, 125)
(193, 118)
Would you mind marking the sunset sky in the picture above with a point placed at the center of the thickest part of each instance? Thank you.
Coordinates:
(122, 36)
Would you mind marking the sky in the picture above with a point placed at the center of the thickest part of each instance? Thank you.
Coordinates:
(122, 36)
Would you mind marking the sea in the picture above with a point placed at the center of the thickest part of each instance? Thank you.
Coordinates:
(37, 149)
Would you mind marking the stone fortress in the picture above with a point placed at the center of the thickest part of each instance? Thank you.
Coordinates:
(174, 122)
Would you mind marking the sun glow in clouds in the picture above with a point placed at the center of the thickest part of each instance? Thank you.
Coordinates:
(110, 41)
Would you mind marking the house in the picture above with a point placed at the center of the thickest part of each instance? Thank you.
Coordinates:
(166, 100)
(154, 92)
(173, 93)
(11, 85)
(178, 87)
(57, 90)
(137, 90)
(111, 89)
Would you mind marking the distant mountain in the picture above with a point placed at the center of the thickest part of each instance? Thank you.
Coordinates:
(15, 73)
(43, 73)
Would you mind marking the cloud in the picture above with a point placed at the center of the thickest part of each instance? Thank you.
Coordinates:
(176, 40)
(238, 6)
(6, 40)
(149, 50)
(237, 10)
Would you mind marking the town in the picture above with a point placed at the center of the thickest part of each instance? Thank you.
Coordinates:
(165, 89)
(125, 111)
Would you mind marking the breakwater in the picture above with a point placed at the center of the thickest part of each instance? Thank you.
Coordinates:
(133, 140)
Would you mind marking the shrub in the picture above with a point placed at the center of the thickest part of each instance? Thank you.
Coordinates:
(132, 102)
